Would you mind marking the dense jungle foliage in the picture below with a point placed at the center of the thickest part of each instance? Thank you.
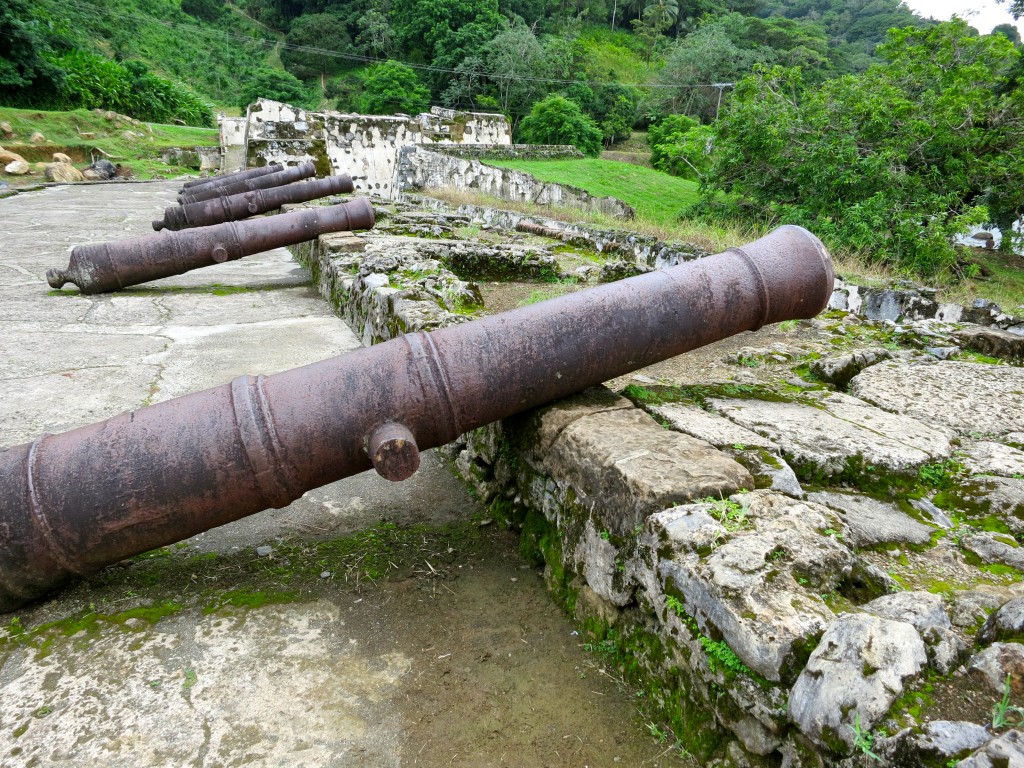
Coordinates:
(806, 111)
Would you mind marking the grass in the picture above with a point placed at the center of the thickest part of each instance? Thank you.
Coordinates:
(656, 196)
(63, 133)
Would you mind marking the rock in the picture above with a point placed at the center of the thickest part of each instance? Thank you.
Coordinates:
(824, 438)
(17, 168)
(840, 370)
(102, 169)
(633, 465)
(992, 666)
(939, 742)
(981, 497)
(63, 173)
(995, 548)
(1005, 625)
(985, 458)
(6, 156)
(941, 353)
(967, 397)
(6, 129)
(123, 171)
(993, 342)
(874, 522)
(936, 515)
(769, 470)
(710, 427)
(264, 550)
(60, 157)
(854, 675)
(1005, 751)
(37, 138)
(925, 612)
(970, 607)
(753, 579)
(92, 175)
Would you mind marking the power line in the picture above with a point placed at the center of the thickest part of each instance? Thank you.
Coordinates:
(330, 53)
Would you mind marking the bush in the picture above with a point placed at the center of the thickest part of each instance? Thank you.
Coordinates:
(275, 84)
(557, 120)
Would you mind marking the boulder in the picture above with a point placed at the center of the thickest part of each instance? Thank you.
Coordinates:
(37, 138)
(985, 458)
(6, 129)
(17, 168)
(840, 370)
(62, 173)
(1005, 625)
(926, 613)
(1005, 751)
(941, 742)
(6, 156)
(853, 677)
(995, 664)
(102, 169)
(60, 157)
(993, 342)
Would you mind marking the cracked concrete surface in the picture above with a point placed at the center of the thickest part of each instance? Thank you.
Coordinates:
(478, 670)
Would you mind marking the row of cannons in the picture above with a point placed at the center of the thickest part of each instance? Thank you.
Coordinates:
(73, 503)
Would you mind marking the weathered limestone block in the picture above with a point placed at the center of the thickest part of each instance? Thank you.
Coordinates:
(17, 168)
(984, 458)
(60, 157)
(710, 427)
(982, 496)
(872, 521)
(967, 397)
(995, 548)
(841, 369)
(993, 342)
(1005, 625)
(754, 579)
(837, 431)
(1004, 751)
(63, 173)
(940, 741)
(633, 467)
(994, 664)
(971, 607)
(855, 674)
(768, 470)
(928, 616)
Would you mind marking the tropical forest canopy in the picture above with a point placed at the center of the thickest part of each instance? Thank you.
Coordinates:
(881, 130)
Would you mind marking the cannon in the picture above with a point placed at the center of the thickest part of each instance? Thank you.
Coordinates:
(106, 267)
(231, 178)
(236, 207)
(280, 178)
(75, 502)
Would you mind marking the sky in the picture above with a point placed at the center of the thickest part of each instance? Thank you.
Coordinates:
(988, 13)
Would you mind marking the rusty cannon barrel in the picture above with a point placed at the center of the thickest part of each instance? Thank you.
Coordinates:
(106, 267)
(230, 178)
(237, 207)
(278, 179)
(75, 502)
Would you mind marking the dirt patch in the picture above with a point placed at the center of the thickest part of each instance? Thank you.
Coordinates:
(501, 297)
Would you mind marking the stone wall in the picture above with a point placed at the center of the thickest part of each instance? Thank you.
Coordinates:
(232, 143)
(513, 151)
(422, 168)
(365, 147)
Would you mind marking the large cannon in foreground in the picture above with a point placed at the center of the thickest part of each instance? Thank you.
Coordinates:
(230, 178)
(266, 181)
(236, 207)
(74, 502)
(106, 267)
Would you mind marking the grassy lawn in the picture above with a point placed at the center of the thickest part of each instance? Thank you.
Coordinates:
(656, 196)
(63, 132)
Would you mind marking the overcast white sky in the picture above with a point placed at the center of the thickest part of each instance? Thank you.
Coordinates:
(987, 13)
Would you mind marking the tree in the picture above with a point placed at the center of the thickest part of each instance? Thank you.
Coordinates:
(27, 74)
(558, 120)
(618, 123)
(1016, 7)
(895, 162)
(207, 10)
(315, 45)
(1009, 31)
(393, 87)
(377, 36)
(275, 84)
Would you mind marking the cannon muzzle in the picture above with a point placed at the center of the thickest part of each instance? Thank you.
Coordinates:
(237, 207)
(106, 267)
(230, 178)
(75, 502)
(266, 181)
